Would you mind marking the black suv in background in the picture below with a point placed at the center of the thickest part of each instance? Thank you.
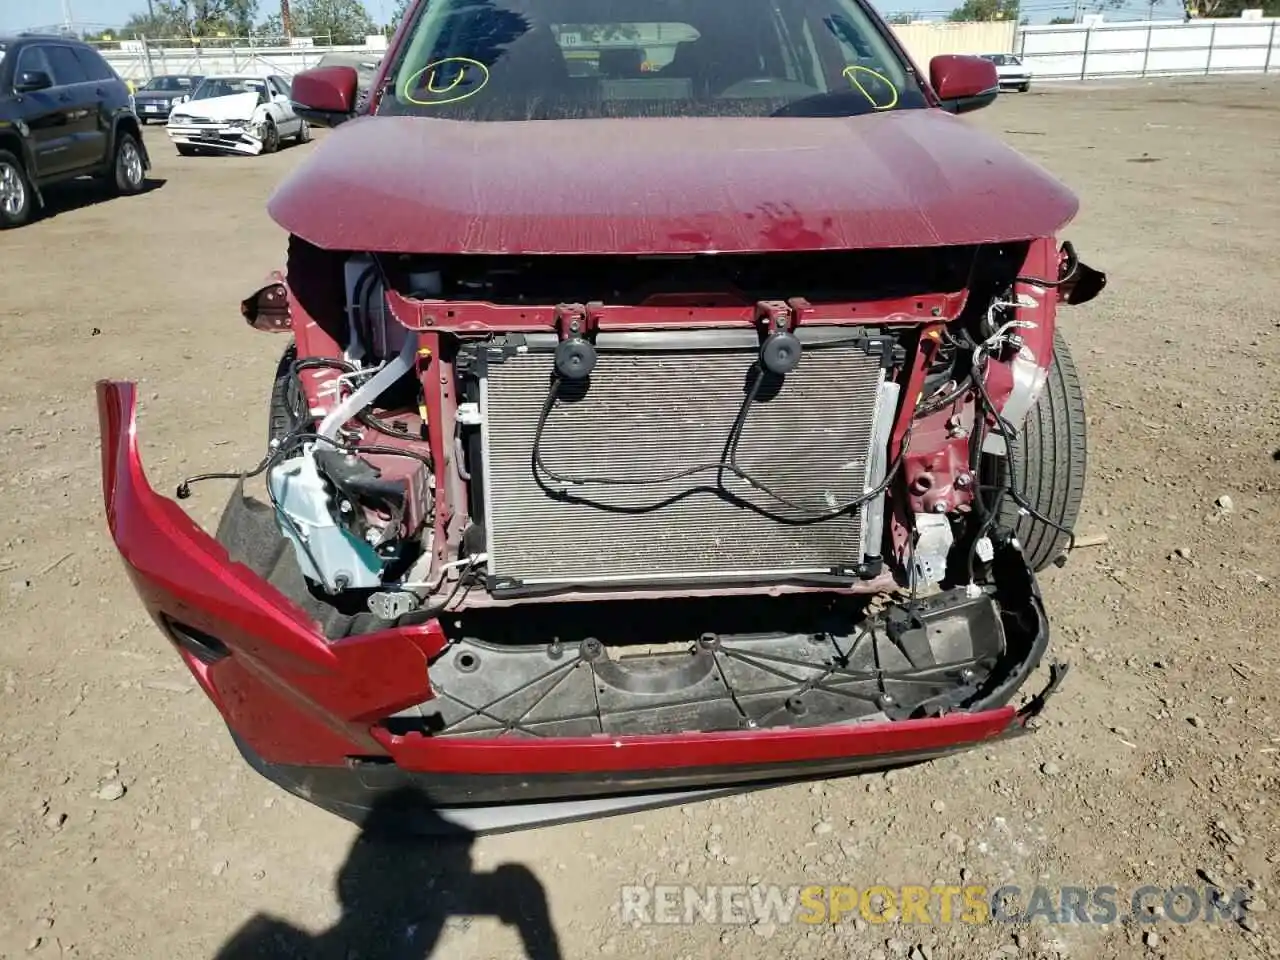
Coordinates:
(64, 113)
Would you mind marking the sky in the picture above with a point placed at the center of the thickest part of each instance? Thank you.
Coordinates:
(22, 14)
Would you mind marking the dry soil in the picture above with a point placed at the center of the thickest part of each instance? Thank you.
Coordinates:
(1157, 760)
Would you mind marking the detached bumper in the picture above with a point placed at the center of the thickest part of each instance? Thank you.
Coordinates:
(308, 712)
(215, 136)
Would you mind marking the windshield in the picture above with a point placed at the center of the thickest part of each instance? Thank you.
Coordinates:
(174, 84)
(212, 87)
(547, 59)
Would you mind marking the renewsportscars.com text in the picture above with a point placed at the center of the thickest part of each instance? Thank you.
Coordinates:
(920, 904)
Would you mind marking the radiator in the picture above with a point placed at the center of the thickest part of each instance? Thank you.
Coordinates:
(659, 403)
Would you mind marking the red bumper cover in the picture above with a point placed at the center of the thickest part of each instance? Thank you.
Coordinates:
(297, 701)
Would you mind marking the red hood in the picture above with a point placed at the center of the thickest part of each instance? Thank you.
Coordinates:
(902, 179)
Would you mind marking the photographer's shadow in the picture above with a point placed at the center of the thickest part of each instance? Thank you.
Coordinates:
(398, 889)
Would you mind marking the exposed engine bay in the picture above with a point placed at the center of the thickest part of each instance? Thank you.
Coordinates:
(660, 493)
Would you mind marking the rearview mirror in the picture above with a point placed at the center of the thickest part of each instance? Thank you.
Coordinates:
(29, 81)
(325, 96)
(963, 83)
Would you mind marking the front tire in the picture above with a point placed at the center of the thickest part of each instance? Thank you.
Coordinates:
(284, 398)
(129, 172)
(304, 133)
(1050, 462)
(16, 196)
(270, 137)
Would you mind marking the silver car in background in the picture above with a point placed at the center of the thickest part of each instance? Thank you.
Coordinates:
(1013, 73)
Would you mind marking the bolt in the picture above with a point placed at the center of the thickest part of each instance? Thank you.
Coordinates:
(886, 699)
(964, 480)
(345, 506)
(940, 507)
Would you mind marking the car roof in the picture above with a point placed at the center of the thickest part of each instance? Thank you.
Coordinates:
(15, 38)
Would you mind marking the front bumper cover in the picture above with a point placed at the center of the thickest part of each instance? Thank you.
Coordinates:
(216, 136)
(307, 711)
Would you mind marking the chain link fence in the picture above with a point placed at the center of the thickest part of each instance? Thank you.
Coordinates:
(141, 58)
(1150, 49)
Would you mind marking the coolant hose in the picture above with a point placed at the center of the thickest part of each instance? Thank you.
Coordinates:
(370, 390)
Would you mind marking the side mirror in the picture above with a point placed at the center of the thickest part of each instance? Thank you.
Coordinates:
(29, 81)
(963, 83)
(325, 96)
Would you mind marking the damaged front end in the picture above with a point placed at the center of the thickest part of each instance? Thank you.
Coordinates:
(552, 537)
(223, 136)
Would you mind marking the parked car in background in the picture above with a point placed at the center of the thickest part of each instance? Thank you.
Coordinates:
(1013, 73)
(155, 99)
(237, 114)
(64, 113)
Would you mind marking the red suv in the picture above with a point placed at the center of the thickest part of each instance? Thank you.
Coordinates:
(673, 404)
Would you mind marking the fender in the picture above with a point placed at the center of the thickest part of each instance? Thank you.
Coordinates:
(128, 120)
(12, 140)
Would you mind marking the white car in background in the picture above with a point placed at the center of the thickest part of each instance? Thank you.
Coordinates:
(236, 114)
(1013, 73)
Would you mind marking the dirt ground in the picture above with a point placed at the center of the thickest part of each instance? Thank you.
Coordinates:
(1157, 760)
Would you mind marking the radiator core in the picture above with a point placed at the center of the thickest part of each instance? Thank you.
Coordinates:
(657, 404)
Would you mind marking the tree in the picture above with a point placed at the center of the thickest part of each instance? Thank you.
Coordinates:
(1229, 8)
(194, 18)
(985, 10)
(342, 21)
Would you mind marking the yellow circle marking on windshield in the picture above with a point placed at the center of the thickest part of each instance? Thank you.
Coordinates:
(851, 74)
(440, 88)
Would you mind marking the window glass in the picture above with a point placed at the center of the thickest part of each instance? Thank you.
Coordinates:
(33, 60)
(170, 84)
(67, 68)
(212, 87)
(95, 67)
(547, 59)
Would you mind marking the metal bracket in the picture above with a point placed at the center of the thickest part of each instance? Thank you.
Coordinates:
(388, 605)
(774, 316)
(267, 308)
(574, 321)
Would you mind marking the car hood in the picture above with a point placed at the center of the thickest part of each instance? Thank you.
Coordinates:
(907, 178)
(237, 106)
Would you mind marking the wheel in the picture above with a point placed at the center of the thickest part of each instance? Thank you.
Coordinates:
(15, 192)
(304, 133)
(186, 149)
(280, 418)
(129, 172)
(1025, 87)
(1050, 462)
(270, 137)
